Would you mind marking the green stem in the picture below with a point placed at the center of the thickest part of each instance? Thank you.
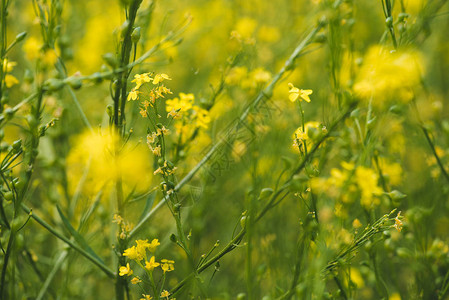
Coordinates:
(265, 94)
(53, 231)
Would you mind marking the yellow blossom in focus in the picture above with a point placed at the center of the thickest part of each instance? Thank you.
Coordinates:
(146, 297)
(133, 95)
(165, 294)
(132, 253)
(153, 245)
(295, 93)
(136, 280)
(125, 270)
(140, 79)
(167, 265)
(160, 77)
(150, 265)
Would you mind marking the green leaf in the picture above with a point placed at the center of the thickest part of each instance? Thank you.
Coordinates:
(78, 237)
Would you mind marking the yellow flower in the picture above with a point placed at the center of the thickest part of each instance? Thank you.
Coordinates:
(8, 66)
(153, 245)
(356, 223)
(174, 114)
(140, 79)
(157, 150)
(398, 223)
(132, 253)
(150, 265)
(10, 80)
(160, 77)
(125, 270)
(167, 265)
(133, 95)
(202, 117)
(388, 75)
(183, 103)
(165, 294)
(260, 75)
(367, 179)
(296, 93)
(143, 113)
(136, 280)
(146, 297)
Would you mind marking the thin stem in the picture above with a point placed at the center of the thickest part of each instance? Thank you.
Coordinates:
(263, 95)
(53, 231)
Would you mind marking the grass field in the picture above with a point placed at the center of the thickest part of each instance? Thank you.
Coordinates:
(224, 149)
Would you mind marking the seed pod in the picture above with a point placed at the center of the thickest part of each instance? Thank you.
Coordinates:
(135, 35)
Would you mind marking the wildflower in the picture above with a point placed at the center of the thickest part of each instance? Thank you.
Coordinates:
(386, 75)
(183, 103)
(8, 66)
(174, 114)
(132, 253)
(150, 265)
(260, 75)
(167, 265)
(296, 93)
(356, 223)
(145, 104)
(143, 112)
(133, 95)
(153, 245)
(158, 171)
(146, 297)
(165, 294)
(136, 280)
(202, 117)
(160, 77)
(10, 80)
(140, 79)
(151, 138)
(398, 223)
(367, 179)
(157, 150)
(141, 247)
(162, 130)
(125, 270)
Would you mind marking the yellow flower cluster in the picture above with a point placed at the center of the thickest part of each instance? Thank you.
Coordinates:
(138, 253)
(387, 75)
(349, 183)
(183, 108)
(125, 227)
(8, 66)
(248, 79)
(156, 92)
(98, 159)
(312, 130)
